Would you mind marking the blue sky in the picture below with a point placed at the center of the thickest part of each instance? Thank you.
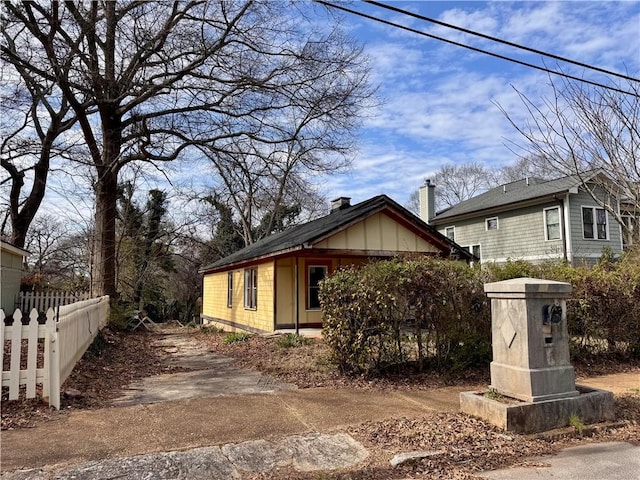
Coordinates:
(439, 100)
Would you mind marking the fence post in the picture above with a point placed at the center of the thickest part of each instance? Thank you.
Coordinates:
(32, 354)
(54, 360)
(16, 350)
(2, 333)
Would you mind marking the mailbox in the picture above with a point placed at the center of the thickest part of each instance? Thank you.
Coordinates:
(552, 314)
(530, 340)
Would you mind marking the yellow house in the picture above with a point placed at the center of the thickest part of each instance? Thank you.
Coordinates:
(273, 284)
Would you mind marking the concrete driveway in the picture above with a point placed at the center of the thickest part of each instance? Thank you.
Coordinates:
(201, 423)
(600, 461)
(207, 374)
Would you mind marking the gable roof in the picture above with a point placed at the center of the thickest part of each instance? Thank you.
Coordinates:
(303, 236)
(526, 190)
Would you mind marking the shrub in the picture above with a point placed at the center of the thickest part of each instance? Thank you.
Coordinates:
(120, 315)
(432, 312)
(603, 316)
(510, 269)
(392, 313)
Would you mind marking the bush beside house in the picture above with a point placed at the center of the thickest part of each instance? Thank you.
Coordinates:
(432, 313)
(423, 312)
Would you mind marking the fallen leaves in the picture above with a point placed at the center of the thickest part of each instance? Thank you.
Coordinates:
(114, 360)
(465, 445)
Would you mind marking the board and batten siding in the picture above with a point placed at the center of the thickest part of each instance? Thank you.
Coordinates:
(286, 287)
(377, 233)
(10, 276)
(589, 250)
(214, 304)
(520, 236)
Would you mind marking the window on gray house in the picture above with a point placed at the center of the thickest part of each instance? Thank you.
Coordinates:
(594, 223)
(552, 223)
(450, 233)
(492, 223)
(474, 249)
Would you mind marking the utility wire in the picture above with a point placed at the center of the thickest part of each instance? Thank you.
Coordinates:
(496, 55)
(499, 40)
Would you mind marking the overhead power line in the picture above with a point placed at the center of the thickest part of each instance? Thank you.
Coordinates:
(475, 49)
(499, 40)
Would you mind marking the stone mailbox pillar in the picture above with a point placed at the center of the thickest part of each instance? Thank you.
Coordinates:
(530, 369)
(530, 339)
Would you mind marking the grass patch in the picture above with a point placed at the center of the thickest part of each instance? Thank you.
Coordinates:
(493, 394)
(292, 340)
(575, 422)
(236, 337)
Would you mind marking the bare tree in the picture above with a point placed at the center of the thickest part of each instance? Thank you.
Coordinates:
(148, 80)
(456, 183)
(523, 167)
(59, 257)
(311, 135)
(581, 129)
(33, 121)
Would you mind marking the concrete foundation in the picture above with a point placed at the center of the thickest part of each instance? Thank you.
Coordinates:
(590, 406)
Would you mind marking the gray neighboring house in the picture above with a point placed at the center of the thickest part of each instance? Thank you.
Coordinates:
(12, 260)
(532, 219)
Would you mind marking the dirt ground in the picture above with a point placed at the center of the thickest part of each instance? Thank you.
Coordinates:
(462, 445)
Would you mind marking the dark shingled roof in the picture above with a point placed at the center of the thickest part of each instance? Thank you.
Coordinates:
(295, 238)
(510, 193)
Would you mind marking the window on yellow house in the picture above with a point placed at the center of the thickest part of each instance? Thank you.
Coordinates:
(230, 289)
(316, 272)
(251, 288)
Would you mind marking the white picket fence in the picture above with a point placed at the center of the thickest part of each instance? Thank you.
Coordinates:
(42, 301)
(62, 340)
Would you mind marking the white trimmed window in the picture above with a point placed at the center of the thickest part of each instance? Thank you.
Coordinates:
(450, 233)
(474, 249)
(251, 288)
(492, 223)
(552, 229)
(230, 289)
(594, 223)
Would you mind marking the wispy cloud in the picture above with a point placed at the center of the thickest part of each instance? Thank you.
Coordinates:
(440, 100)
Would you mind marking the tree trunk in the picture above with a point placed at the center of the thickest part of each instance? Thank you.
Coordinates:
(103, 266)
(23, 215)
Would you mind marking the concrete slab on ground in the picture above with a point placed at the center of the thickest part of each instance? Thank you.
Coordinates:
(600, 461)
(208, 374)
(305, 453)
(86, 435)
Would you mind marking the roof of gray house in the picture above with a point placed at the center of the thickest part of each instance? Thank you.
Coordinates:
(303, 236)
(511, 193)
